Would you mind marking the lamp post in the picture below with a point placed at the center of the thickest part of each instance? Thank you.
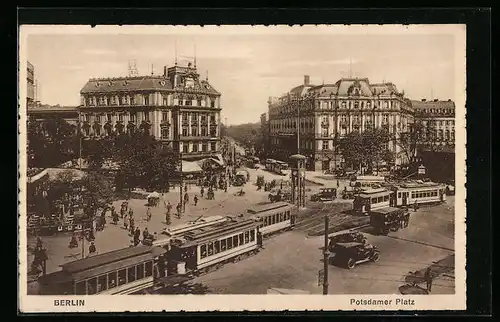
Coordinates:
(298, 124)
(177, 146)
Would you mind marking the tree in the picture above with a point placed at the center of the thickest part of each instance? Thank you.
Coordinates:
(96, 193)
(351, 147)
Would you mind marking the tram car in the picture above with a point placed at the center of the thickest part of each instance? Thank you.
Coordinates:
(274, 217)
(203, 250)
(123, 271)
(180, 230)
(372, 199)
(408, 194)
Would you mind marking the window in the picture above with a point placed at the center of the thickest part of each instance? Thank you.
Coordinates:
(92, 286)
(223, 245)
(132, 117)
(111, 280)
(140, 271)
(241, 239)
(213, 146)
(146, 99)
(131, 274)
(102, 283)
(235, 241)
(210, 249)
(204, 147)
(194, 131)
(148, 269)
(184, 131)
(188, 102)
(212, 104)
(80, 288)
(247, 237)
(195, 147)
(380, 199)
(165, 133)
(132, 100)
(386, 198)
(281, 217)
(165, 100)
(229, 243)
(216, 247)
(325, 145)
(413, 194)
(203, 131)
(120, 117)
(146, 116)
(252, 235)
(399, 194)
(164, 116)
(203, 251)
(374, 200)
(325, 132)
(122, 277)
(265, 221)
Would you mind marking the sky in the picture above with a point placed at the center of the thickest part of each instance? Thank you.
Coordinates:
(245, 66)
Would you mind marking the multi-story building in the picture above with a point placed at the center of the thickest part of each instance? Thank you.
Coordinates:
(176, 107)
(30, 89)
(328, 112)
(438, 120)
(264, 128)
(43, 113)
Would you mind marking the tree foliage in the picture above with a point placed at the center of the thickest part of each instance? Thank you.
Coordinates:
(96, 193)
(249, 135)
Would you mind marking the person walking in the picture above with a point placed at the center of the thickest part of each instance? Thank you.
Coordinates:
(137, 236)
(92, 249)
(428, 279)
(179, 208)
(195, 200)
(202, 191)
(125, 221)
(338, 183)
(148, 213)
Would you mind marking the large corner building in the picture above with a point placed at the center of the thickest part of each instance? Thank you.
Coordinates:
(326, 113)
(176, 107)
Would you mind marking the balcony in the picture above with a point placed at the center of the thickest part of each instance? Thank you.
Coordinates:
(185, 122)
(325, 124)
(165, 123)
(194, 123)
(204, 122)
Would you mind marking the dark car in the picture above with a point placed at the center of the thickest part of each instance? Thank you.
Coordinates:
(325, 194)
(351, 254)
(356, 237)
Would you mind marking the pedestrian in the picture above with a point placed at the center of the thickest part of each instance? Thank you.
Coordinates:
(202, 191)
(74, 241)
(415, 206)
(167, 218)
(407, 219)
(125, 221)
(145, 233)
(195, 200)
(428, 279)
(185, 188)
(179, 208)
(186, 198)
(281, 185)
(92, 249)
(131, 224)
(148, 214)
(130, 212)
(338, 183)
(137, 236)
(225, 187)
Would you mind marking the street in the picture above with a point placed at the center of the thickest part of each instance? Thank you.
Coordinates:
(292, 260)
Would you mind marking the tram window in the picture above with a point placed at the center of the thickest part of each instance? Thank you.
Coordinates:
(80, 288)
(210, 249)
(229, 243)
(434, 193)
(247, 237)
(140, 271)
(223, 245)
(92, 286)
(281, 217)
(102, 283)
(399, 194)
(217, 247)
(241, 239)
(131, 274)
(413, 194)
(374, 200)
(380, 199)
(203, 251)
(252, 235)
(148, 269)
(235, 241)
(274, 219)
(265, 221)
(386, 198)
(112, 280)
(122, 277)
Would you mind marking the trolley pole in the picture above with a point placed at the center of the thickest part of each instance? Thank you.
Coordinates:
(326, 254)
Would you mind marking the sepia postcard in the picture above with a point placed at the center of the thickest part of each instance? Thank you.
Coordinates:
(231, 168)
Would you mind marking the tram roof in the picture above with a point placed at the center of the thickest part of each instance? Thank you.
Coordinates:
(374, 192)
(266, 207)
(410, 185)
(207, 233)
(117, 256)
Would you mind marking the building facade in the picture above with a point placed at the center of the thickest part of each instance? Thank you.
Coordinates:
(438, 121)
(326, 113)
(30, 89)
(264, 129)
(176, 107)
(43, 113)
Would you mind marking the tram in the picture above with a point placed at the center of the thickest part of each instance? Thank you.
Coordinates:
(123, 271)
(270, 164)
(364, 182)
(408, 194)
(372, 199)
(278, 167)
(274, 217)
(206, 249)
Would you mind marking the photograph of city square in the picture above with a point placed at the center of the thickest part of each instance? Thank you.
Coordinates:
(240, 163)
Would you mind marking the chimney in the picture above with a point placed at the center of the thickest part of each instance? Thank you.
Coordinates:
(164, 71)
(306, 80)
(435, 100)
(423, 100)
(449, 99)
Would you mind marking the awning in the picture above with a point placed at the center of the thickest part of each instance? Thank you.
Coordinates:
(154, 195)
(190, 167)
(53, 173)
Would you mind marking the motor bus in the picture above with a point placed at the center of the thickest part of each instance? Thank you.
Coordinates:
(387, 219)
(274, 217)
(373, 199)
(364, 182)
(408, 194)
(123, 271)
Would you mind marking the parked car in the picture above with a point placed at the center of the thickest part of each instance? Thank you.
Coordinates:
(351, 254)
(277, 194)
(325, 194)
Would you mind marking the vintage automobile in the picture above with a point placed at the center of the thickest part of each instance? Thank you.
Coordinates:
(353, 253)
(388, 219)
(277, 194)
(325, 194)
(348, 237)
